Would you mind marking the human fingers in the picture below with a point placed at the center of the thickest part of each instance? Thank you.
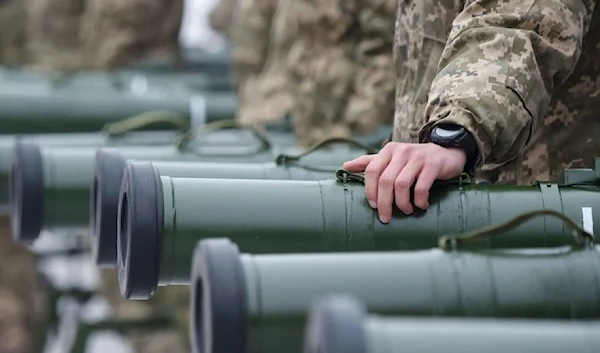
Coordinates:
(429, 173)
(359, 164)
(373, 172)
(385, 189)
(403, 183)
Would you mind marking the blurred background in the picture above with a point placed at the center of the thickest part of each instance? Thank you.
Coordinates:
(308, 69)
(54, 299)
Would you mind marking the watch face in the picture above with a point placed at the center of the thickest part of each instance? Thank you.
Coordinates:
(446, 133)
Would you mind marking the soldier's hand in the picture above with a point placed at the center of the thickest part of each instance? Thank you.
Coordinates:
(390, 174)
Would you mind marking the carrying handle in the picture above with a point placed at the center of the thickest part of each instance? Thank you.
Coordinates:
(582, 237)
(184, 141)
(135, 122)
(287, 158)
(345, 177)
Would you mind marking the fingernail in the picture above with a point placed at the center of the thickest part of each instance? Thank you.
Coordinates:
(384, 219)
(372, 204)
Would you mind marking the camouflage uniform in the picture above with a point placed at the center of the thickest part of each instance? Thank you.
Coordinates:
(514, 73)
(12, 32)
(101, 34)
(321, 68)
(21, 296)
(342, 80)
(268, 95)
(53, 33)
(250, 36)
(372, 100)
(221, 17)
(117, 32)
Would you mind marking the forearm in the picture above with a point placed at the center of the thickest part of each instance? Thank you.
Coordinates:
(500, 67)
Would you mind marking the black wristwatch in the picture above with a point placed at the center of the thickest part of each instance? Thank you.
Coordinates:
(450, 135)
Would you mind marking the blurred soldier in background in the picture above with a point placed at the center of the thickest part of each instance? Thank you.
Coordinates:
(53, 33)
(250, 30)
(101, 34)
(321, 68)
(12, 32)
(221, 17)
(268, 95)
(372, 100)
(71, 35)
(341, 79)
(117, 33)
(327, 63)
(21, 295)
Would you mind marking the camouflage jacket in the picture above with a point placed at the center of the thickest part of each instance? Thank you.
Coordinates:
(267, 96)
(340, 67)
(521, 76)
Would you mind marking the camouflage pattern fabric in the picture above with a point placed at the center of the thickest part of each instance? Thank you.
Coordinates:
(172, 340)
(268, 95)
(101, 34)
(53, 33)
(221, 17)
(12, 32)
(422, 28)
(521, 76)
(250, 36)
(341, 69)
(21, 296)
(372, 100)
(118, 32)
(328, 64)
(321, 68)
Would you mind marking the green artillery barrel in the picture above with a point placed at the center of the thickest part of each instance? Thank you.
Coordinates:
(109, 174)
(339, 324)
(262, 300)
(50, 187)
(273, 216)
(79, 111)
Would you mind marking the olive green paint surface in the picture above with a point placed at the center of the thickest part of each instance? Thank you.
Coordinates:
(411, 335)
(83, 111)
(68, 172)
(222, 138)
(558, 283)
(275, 216)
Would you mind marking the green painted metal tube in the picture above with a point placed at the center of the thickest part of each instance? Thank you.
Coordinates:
(227, 138)
(80, 111)
(50, 187)
(339, 324)
(7, 143)
(268, 296)
(117, 81)
(109, 174)
(264, 216)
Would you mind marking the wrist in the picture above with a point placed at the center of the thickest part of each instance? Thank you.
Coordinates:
(458, 139)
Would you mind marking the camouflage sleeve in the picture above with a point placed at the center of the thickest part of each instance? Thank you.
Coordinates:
(500, 66)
